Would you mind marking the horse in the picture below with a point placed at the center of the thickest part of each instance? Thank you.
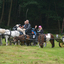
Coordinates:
(0, 39)
(7, 34)
(49, 37)
(22, 39)
(2, 31)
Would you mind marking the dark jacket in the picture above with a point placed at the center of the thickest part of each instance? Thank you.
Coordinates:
(41, 32)
(27, 26)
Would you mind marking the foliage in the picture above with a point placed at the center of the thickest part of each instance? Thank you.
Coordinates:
(0, 3)
(43, 12)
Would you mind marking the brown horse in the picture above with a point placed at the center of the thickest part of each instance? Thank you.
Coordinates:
(22, 39)
(48, 37)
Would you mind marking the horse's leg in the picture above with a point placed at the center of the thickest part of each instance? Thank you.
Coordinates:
(39, 46)
(52, 42)
(30, 42)
(6, 41)
(0, 40)
(18, 42)
(10, 41)
(42, 45)
(24, 42)
(34, 43)
(59, 44)
(15, 43)
(6, 37)
(27, 43)
(45, 44)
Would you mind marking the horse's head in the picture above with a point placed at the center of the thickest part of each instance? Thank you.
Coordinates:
(41, 45)
(41, 40)
(2, 31)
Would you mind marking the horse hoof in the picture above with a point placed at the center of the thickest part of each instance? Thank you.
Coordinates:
(39, 46)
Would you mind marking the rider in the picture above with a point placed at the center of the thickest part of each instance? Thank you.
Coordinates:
(39, 30)
(26, 28)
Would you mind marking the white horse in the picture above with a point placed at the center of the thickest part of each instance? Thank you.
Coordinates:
(2, 31)
(8, 33)
(11, 34)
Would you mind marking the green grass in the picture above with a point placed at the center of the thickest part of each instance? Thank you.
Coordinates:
(31, 54)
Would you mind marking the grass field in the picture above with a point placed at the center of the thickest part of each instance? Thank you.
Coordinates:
(31, 54)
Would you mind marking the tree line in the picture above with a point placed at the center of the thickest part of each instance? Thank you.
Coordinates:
(48, 13)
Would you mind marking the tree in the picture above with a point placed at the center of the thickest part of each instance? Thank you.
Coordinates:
(2, 12)
(40, 12)
(9, 13)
